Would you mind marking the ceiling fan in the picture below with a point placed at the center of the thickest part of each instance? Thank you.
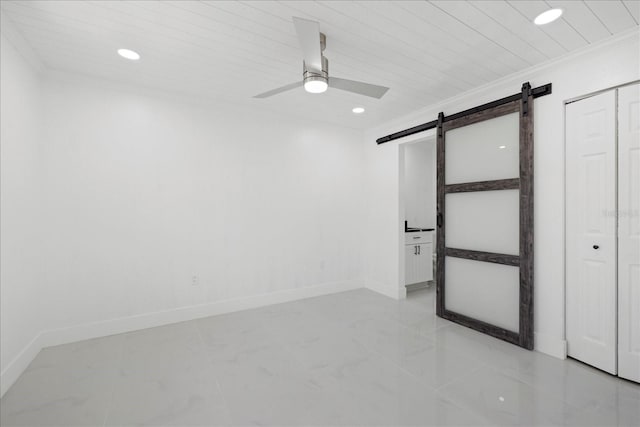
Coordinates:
(315, 74)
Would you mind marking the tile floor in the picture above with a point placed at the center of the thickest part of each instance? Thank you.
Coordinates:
(354, 358)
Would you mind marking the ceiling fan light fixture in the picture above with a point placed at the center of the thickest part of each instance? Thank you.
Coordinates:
(315, 84)
(548, 16)
(315, 66)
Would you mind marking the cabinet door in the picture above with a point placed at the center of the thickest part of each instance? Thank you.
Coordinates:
(424, 264)
(410, 264)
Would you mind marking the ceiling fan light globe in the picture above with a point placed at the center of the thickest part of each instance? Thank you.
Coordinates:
(315, 86)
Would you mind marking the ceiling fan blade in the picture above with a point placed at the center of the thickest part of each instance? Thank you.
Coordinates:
(279, 90)
(309, 38)
(361, 88)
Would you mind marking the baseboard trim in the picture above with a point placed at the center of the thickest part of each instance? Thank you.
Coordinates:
(550, 345)
(420, 285)
(105, 328)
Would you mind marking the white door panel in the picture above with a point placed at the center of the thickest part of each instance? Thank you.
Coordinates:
(591, 230)
(629, 232)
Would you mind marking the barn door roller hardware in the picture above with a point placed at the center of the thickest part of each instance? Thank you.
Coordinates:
(526, 92)
(523, 95)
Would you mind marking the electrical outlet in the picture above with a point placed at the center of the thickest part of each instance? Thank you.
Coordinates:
(195, 281)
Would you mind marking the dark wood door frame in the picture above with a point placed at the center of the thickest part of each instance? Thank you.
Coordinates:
(523, 105)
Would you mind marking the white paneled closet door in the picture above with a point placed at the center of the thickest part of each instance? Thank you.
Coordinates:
(591, 231)
(629, 232)
(603, 231)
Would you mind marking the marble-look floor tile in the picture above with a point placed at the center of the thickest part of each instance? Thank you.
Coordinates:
(151, 352)
(609, 399)
(82, 359)
(609, 417)
(226, 348)
(266, 385)
(65, 385)
(388, 337)
(321, 356)
(58, 403)
(506, 401)
(352, 306)
(171, 398)
(355, 358)
(424, 323)
(485, 349)
(293, 322)
(438, 366)
(230, 324)
(165, 378)
(295, 399)
(380, 393)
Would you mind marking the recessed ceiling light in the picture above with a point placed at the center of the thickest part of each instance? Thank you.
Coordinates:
(502, 147)
(129, 54)
(358, 110)
(548, 16)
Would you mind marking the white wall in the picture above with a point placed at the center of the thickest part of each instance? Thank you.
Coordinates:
(607, 64)
(20, 204)
(419, 184)
(129, 194)
(143, 193)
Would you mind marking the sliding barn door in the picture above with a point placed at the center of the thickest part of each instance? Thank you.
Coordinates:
(591, 230)
(629, 232)
(485, 220)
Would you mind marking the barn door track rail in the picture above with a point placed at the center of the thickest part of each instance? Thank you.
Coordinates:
(536, 93)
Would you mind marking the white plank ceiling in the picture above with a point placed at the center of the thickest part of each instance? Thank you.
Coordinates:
(425, 51)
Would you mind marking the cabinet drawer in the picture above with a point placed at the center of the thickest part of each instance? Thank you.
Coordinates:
(417, 238)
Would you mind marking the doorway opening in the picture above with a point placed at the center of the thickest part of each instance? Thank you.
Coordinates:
(417, 213)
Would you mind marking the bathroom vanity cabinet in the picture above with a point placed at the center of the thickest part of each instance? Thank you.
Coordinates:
(418, 257)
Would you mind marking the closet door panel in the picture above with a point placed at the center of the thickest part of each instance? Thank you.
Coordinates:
(629, 232)
(591, 231)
